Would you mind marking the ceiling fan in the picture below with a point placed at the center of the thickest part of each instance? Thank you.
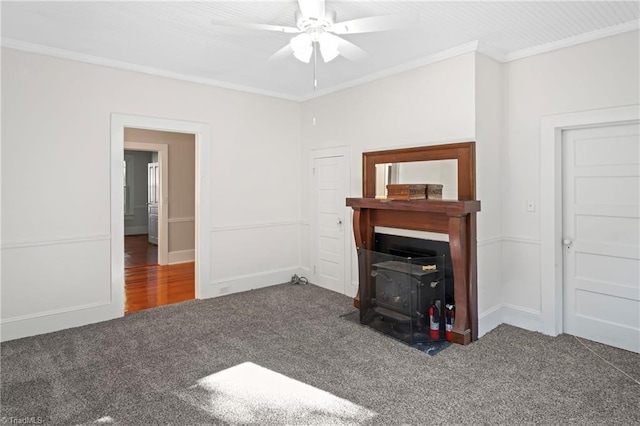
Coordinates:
(317, 29)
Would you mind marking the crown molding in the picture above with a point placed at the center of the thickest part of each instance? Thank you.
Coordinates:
(572, 41)
(112, 63)
(460, 50)
(491, 51)
(485, 49)
(472, 47)
(127, 66)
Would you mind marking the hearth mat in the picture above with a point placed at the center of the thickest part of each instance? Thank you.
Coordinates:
(430, 348)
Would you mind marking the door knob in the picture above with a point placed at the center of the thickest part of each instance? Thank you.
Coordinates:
(567, 242)
(339, 222)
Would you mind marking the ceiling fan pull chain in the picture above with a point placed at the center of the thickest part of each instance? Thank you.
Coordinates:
(315, 62)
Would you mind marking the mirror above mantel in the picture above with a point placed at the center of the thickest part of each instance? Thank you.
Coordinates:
(443, 172)
(453, 165)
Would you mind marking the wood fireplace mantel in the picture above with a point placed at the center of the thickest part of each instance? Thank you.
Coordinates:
(452, 217)
(455, 218)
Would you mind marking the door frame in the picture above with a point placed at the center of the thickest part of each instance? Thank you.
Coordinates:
(551, 259)
(202, 132)
(345, 152)
(163, 219)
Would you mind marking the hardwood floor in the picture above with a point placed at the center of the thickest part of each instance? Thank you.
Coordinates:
(147, 284)
(154, 285)
(138, 251)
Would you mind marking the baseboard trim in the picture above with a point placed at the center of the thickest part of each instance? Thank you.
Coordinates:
(353, 289)
(52, 312)
(136, 230)
(50, 321)
(303, 271)
(242, 283)
(505, 313)
(526, 318)
(489, 320)
(181, 256)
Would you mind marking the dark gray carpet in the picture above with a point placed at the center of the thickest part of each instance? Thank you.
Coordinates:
(144, 369)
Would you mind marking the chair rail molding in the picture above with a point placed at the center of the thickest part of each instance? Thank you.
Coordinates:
(55, 241)
(226, 228)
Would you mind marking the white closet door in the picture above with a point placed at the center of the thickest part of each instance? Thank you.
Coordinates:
(601, 202)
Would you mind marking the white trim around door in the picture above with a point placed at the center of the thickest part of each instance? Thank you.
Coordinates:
(202, 132)
(551, 128)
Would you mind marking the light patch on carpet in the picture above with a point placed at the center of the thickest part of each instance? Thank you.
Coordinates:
(250, 394)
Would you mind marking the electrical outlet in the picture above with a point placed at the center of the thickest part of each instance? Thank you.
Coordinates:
(531, 206)
(224, 290)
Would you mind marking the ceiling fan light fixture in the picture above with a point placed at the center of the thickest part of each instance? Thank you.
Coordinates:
(328, 46)
(302, 47)
(330, 55)
(304, 56)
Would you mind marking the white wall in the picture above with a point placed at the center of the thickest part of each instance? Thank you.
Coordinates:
(55, 218)
(426, 106)
(489, 107)
(599, 74)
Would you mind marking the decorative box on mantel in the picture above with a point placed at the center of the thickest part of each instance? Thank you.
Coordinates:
(455, 218)
(414, 191)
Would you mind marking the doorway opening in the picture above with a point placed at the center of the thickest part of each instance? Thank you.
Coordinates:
(159, 250)
(202, 193)
(141, 193)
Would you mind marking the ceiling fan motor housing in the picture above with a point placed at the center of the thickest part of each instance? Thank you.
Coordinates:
(305, 23)
(315, 31)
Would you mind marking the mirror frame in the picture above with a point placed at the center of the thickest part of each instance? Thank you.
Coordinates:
(464, 152)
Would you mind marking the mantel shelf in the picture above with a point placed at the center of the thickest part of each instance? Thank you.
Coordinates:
(448, 207)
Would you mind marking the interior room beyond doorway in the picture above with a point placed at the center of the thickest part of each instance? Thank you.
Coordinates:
(159, 252)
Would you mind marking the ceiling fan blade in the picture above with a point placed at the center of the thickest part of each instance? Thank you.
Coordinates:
(349, 50)
(283, 53)
(312, 8)
(252, 26)
(376, 23)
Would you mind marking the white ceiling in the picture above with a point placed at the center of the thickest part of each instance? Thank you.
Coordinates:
(177, 39)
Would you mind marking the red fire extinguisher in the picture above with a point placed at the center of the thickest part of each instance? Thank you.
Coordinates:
(434, 320)
(449, 320)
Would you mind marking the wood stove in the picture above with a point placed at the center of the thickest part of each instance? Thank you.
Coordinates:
(404, 293)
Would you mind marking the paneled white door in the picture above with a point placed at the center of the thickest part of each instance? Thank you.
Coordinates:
(152, 201)
(328, 228)
(601, 228)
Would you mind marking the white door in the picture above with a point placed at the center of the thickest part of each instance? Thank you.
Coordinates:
(329, 183)
(152, 201)
(601, 202)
